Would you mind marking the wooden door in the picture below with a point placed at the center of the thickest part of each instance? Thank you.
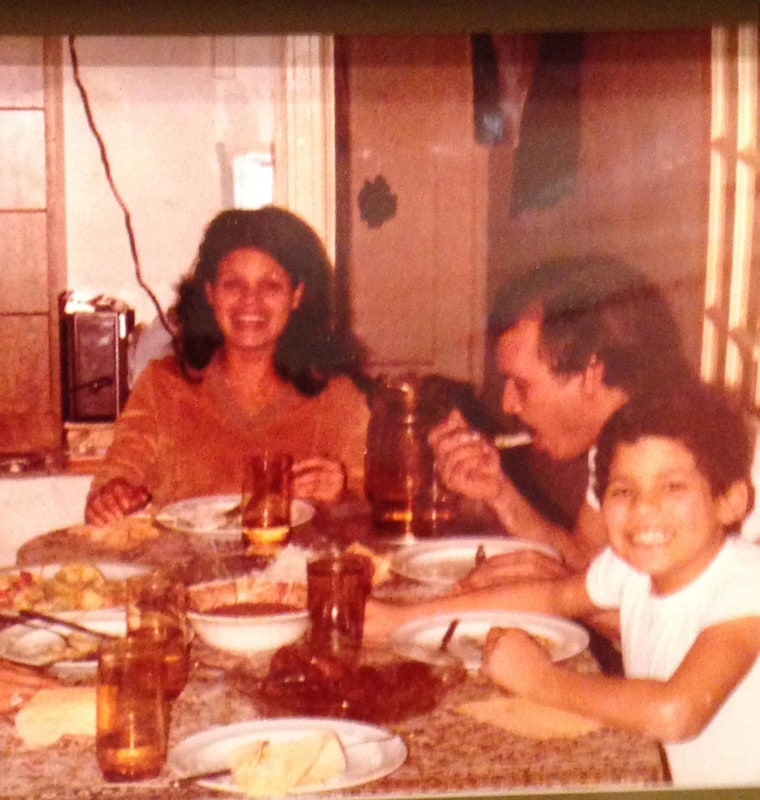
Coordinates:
(405, 132)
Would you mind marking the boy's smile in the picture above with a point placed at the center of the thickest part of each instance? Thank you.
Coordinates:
(660, 512)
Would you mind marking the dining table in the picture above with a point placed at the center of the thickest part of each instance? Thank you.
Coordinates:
(449, 751)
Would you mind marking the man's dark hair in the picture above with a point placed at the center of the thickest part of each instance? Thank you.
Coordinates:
(706, 419)
(310, 349)
(597, 308)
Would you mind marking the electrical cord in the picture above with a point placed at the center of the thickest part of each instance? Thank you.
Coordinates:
(107, 167)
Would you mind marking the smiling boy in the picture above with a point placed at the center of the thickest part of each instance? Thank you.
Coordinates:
(672, 471)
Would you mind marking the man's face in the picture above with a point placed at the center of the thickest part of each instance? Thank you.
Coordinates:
(554, 407)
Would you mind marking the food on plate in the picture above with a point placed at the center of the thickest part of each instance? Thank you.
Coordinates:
(73, 587)
(378, 689)
(248, 589)
(53, 713)
(44, 646)
(381, 565)
(122, 534)
(274, 768)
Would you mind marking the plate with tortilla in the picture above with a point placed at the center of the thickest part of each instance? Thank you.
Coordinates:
(298, 755)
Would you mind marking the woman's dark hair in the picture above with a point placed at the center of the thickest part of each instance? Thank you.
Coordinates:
(597, 307)
(310, 350)
(706, 419)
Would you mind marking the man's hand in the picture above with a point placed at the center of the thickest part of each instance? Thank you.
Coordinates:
(114, 501)
(467, 462)
(520, 565)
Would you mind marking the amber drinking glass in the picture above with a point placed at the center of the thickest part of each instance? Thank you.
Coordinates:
(132, 717)
(337, 589)
(267, 490)
(156, 612)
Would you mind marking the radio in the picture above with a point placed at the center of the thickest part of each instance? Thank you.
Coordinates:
(95, 339)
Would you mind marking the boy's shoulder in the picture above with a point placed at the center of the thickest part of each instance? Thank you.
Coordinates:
(731, 591)
(741, 552)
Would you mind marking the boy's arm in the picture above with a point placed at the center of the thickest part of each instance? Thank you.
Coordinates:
(566, 597)
(670, 710)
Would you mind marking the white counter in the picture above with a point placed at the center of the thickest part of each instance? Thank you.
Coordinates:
(34, 504)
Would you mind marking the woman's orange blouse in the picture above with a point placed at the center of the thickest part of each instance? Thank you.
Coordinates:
(183, 439)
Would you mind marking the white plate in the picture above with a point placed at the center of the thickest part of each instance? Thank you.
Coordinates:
(112, 570)
(206, 516)
(445, 561)
(371, 752)
(39, 644)
(423, 636)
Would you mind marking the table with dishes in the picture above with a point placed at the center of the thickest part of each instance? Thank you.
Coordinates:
(413, 717)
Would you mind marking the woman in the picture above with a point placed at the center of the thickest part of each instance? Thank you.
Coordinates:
(257, 366)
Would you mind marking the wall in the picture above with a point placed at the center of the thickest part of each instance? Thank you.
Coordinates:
(642, 179)
(163, 105)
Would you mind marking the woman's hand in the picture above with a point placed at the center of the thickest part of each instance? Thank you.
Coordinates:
(520, 565)
(514, 660)
(466, 462)
(319, 479)
(115, 500)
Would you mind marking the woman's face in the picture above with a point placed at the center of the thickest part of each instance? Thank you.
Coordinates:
(252, 299)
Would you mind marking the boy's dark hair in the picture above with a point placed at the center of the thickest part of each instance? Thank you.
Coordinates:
(310, 349)
(706, 419)
(597, 307)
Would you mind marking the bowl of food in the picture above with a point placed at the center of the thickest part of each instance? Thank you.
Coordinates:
(248, 615)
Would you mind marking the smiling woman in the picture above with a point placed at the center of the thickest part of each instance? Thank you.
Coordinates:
(257, 366)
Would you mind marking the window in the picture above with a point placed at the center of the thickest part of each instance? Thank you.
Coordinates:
(731, 334)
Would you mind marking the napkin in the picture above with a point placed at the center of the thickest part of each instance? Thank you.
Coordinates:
(53, 713)
(524, 717)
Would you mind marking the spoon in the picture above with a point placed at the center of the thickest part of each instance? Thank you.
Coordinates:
(447, 637)
(27, 615)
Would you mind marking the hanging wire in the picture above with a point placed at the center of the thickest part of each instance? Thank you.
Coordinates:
(107, 167)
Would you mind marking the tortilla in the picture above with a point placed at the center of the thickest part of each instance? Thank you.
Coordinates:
(529, 719)
(272, 769)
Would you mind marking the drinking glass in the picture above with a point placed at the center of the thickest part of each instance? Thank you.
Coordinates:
(132, 718)
(337, 589)
(156, 611)
(267, 490)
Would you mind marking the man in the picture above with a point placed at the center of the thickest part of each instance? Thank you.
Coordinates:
(573, 340)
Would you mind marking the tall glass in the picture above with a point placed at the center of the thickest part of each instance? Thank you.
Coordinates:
(132, 717)
(156, 612)
(337, 589)
(267, 491)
